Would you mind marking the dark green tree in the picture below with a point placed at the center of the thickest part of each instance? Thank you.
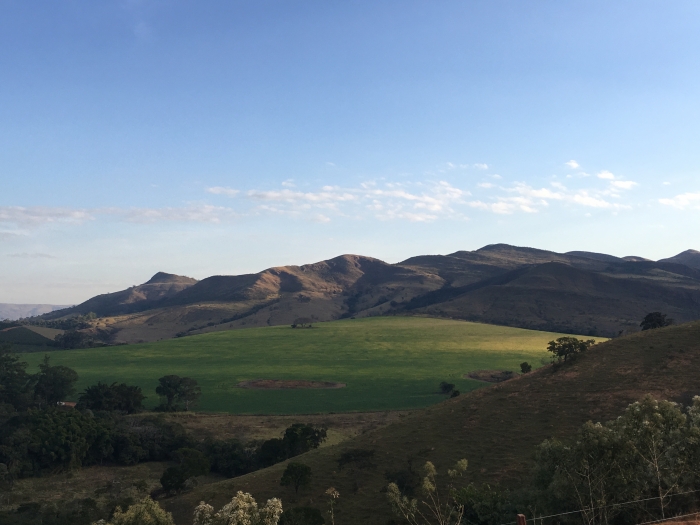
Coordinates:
(71, 339)
(16, 385)
(297, 475)
(525, 367)
(300, 438)
(54, 383)
(566, 348)
(191, 463)
(120, 397)
(178, 392)
(655, 320)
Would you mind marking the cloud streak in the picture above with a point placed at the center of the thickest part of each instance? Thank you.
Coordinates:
(683, 201)
(413, 201)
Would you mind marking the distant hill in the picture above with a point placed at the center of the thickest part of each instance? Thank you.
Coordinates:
(495, 428)
(18, 311)
(576, 292)
(689, 258)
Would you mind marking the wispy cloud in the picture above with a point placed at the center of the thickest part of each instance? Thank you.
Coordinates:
(573, 164)
(481, 166)
(31, 256)
(39, 215)
(683, 201)
(605, 174)
(194, 213)
(522, 197)
(220, 190)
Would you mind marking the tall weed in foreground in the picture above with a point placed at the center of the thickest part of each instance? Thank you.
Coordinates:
(433, 507)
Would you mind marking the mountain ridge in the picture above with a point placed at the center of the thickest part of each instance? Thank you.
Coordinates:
(498, 283)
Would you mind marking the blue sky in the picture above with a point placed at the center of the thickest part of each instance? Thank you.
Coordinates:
(225, 137)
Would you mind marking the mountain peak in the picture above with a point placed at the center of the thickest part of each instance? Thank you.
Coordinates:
(163, 277)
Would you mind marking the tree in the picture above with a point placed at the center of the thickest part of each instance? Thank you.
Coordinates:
(54, 383)
(657, 435)
(566, 348)
(300, 438)
(192, 463)
(179, 392)
(525, 367)
(304, 322)
(446, 387)
(71, 339)
(297, 475)
(655, 320)
(145, 512)
(119, 397)
(242, 510)
(434, 507)
(16, 385)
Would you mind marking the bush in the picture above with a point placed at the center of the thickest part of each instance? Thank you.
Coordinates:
(525, 367)
(145, 512)
(358, 457)
(302, 516)
(446, 387)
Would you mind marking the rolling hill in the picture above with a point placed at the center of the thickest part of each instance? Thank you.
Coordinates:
(575, 292)
(495, 428)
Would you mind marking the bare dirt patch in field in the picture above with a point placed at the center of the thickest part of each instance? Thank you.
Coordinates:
(491, 376)
(282, 384)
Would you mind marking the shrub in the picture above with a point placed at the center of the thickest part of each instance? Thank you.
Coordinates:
(302, 516)
(358, 457)
(145, 512)
(446, 387)
(525, 367)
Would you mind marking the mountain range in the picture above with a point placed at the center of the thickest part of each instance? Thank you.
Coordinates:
(575, 292)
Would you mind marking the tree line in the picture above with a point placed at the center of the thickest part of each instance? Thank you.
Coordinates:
(38, 435)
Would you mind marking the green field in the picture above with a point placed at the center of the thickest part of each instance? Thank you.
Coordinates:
(386, 362)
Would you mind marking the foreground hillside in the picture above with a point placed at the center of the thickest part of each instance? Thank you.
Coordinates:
(385, 363)
(495, 428)
(575, 292)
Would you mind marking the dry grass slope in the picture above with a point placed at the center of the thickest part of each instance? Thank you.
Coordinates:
(496, 428)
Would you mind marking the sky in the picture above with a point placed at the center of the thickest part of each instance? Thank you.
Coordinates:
(225, 137)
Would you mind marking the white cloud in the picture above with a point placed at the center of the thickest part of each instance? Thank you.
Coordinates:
(220, 190)
(289, 183)
(485, 185)
(320, 218)
(31, 255)
(39, 215)
(496, 176)
(195, 213)
(573, 164)
(481, 166)
(605, 174)
(683, 201)
(623, 184)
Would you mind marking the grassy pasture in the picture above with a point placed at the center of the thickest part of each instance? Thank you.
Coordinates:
(387, 363)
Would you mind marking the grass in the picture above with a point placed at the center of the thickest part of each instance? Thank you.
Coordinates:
(387, 363)
(496, 428)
